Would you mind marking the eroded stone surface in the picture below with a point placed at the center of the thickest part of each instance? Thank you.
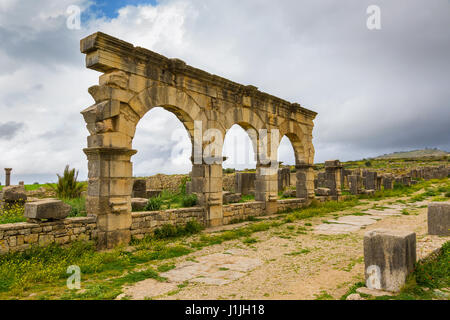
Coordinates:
(355, 220)
(217, 269)
(333, 228)
(146, 289)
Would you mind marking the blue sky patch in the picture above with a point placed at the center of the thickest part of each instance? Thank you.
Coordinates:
(110, 8)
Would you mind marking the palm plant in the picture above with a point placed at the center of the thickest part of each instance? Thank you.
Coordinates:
(67, 186)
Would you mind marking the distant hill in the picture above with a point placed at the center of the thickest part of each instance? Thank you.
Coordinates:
(424, 153)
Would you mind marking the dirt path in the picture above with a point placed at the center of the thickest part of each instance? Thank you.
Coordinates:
(292, 261)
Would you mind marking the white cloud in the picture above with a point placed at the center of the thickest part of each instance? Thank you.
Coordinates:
(375, 91)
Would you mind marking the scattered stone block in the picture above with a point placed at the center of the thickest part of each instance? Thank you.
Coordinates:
(51, 209)
(14, 194)
(439, 218)
(152, 193)
(323, 191)
(354, 296)
(389, 257)
(230, 197)
(290, 193)
(138, 204)
(369, 192)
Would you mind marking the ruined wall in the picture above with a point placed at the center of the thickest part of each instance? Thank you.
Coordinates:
(166, 182)
(146, 222)
(21, 236)
(237, 211)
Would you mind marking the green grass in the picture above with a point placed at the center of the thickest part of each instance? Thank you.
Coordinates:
(317, 209)
(78, 207)
(247, 198)
(12, 214)
(171, 231)
(171, 200)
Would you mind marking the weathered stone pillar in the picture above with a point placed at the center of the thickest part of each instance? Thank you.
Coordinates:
(305, 181)
(333, 177)
(439, 218)
(284, 176)
(207, 185)
(388, 182)
(266, 187)
(8, 176)
(389, 256)
(109, 193)
(370, 180)
(355, 182)
(244, 183)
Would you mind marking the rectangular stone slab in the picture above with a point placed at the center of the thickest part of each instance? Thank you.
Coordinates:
(47, 209)
(439, 218)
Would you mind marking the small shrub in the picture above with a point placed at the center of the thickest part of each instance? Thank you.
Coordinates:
(368, 164)
(182, 186)
(189, 200)
(229, 170)
(67, 186)
(153, 204)
(171, 231)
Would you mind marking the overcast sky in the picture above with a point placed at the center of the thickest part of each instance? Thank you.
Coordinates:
(375, 91)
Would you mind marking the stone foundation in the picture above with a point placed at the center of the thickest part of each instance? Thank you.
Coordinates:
(21, 236)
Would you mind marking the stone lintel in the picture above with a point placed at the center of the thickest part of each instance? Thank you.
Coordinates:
(105, 53)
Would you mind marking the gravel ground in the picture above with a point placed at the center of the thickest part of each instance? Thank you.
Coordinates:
(285, 263)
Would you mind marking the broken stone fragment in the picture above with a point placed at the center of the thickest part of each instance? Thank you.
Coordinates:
(323, 191)
(138, 204)
(47, 209)
(14, 194)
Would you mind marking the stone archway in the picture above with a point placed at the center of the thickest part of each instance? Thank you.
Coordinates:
(133, 81)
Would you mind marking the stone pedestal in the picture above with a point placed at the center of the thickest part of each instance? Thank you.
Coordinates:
(305, 181)
(333, 177)
(109, 193)
(389, 256)
(207, 185)
(439, 218)
(8, 176)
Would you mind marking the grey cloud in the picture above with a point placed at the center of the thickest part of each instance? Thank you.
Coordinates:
(9, 130)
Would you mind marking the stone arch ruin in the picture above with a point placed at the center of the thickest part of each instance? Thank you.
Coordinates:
(133, 81)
